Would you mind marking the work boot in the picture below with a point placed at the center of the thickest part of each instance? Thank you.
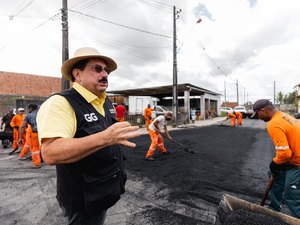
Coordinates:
(37, 166)
(23, 158)
(150, 158)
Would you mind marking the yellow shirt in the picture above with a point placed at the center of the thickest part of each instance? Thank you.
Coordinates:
(285, 133)
(56, 117)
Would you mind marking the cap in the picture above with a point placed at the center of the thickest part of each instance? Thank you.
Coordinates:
(169, 114)
(259, 104)
(21, 109)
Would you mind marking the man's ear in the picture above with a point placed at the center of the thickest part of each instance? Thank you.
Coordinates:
(76, 74)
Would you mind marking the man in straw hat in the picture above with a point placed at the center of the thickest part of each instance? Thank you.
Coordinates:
(284, 131)
(80, 135)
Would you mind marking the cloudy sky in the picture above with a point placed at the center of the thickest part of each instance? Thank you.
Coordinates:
(249, 44)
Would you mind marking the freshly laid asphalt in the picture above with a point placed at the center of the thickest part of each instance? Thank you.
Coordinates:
(178, 188)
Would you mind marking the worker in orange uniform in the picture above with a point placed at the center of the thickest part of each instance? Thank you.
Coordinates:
(284, 131)
(239, 117)
(16, 123)
(154, 131)
(148, 115)
(27, 146)
(232, 117)
(120, 112)
(35, 145)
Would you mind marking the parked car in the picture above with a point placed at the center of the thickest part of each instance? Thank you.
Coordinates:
(241, 109)
(161, 110)
(226, 109)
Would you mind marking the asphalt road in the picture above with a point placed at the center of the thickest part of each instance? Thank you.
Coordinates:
(179, 188)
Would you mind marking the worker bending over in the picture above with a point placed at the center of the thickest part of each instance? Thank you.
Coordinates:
(232, 117)
(155, 129)
(239, 117)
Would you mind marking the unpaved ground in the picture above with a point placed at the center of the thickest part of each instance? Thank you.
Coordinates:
(179, 188)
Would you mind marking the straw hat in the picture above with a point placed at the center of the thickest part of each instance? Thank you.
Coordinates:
(85, 53)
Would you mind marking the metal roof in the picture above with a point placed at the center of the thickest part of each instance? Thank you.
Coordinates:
(163, 91)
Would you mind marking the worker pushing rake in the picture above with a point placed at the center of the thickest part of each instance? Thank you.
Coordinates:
(155, 132)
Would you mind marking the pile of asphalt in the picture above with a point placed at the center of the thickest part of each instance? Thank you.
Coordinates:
(243, 217)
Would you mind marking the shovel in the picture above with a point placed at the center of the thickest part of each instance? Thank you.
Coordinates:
(185, 148)
(221, 124)
(271, 181)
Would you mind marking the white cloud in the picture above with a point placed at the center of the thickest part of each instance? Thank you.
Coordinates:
(254, 42)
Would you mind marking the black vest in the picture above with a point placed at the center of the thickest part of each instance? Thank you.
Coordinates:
(96, 182)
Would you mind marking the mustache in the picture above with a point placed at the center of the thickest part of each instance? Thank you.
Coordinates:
(103, 79)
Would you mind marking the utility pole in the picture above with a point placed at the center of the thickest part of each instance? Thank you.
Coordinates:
(225, 92)
(175, 87)
(237, 92)
(244, 96)
(65, 84)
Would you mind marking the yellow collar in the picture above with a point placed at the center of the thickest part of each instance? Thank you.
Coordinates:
(89, 96)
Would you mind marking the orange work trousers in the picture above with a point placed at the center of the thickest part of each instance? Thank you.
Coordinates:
(27, 145)
(232, 121)
(240, 119)
(35, 149)
(157, 141)
(147, 122)
(16, 136)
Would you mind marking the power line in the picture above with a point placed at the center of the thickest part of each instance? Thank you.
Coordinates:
(120, 25)
(157, 5)
(84, 5)
(22, 8)
(51, 18)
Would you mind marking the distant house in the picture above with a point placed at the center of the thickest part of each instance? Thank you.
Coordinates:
(229, 104)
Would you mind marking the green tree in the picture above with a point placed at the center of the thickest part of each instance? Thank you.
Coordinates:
(290, 98)
(280, 97)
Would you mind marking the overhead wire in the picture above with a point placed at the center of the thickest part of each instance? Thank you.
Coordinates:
(120, 25)
(49, 19)
(89, 4)
(157, 5)
(22, 8)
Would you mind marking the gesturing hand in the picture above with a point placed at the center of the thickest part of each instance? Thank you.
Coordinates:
(119, 133)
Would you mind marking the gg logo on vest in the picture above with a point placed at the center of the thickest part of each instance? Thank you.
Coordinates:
(90, 117)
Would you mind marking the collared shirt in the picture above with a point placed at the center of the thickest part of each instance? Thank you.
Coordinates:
(56, 117)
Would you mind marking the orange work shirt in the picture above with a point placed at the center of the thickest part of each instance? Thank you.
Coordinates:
(17, 120)
(231, 115)
(148, 113)
(284, 131)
